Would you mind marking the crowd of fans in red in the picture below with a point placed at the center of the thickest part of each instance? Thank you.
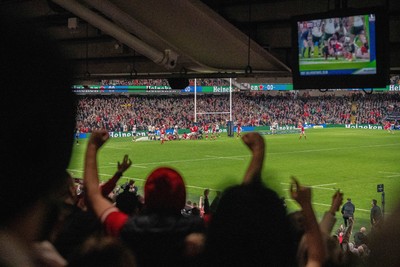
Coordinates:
(115, 113)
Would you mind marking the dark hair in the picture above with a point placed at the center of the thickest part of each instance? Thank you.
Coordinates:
(128, 202)
(374, 201)
(250, 228)
(38, 108)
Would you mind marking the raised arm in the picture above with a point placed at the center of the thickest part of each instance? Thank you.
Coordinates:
(96, 200)
(110, 184)
(316, 248)
(255, 142)
(329, 219)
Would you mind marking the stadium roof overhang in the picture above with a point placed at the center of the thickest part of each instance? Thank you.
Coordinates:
(112, 39)
(153, 39)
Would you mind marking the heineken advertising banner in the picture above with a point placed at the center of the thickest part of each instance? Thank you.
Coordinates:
(364, 126)
(145, 133)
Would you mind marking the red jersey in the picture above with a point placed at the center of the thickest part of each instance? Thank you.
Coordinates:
(206, 128)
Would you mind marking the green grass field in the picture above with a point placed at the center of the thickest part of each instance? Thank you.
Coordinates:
(353, 160)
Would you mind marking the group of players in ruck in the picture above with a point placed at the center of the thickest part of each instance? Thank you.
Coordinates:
(203, 130)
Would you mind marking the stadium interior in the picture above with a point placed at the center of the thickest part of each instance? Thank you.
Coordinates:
(183, 139)
(246, 39)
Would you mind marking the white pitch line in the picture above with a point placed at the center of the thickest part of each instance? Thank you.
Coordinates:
(390, 172)
(139, 166)
(324, 184)
(217, 157)
(120, 148)
(315, 186)
(397, 175)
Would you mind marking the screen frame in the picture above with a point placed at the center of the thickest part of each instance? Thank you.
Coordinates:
(378, 80)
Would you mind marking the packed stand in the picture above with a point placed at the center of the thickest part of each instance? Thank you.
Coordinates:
(121, 113)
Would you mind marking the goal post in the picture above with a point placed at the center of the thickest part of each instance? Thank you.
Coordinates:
(230, 122)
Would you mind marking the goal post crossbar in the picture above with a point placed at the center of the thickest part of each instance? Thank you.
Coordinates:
(195, 102)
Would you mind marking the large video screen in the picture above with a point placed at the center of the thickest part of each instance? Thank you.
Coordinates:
(337, 46)
(339, 50)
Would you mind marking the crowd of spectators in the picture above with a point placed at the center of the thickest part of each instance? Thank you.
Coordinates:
(164, 82)
(116, 113)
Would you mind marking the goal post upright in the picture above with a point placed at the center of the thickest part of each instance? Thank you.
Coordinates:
(195, 100)
(230, 99)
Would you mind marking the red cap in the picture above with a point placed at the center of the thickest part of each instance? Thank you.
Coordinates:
(165, 190)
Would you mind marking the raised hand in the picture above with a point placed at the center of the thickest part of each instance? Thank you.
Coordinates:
(337, 201)
(255, 142)
(98, 138)
(300, 193)
(126, 163)
(316, 248)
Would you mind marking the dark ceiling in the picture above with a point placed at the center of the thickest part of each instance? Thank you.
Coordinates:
(109, 39)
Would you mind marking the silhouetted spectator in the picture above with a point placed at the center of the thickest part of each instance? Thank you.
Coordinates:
(40, 109)
(157, 236)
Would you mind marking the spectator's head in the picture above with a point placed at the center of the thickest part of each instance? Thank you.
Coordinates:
(128, 202)
(374, 202)
(238, 236)
(38, 106)
(164, 191)
(349, 199)
(363, 230)
(206, 192)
